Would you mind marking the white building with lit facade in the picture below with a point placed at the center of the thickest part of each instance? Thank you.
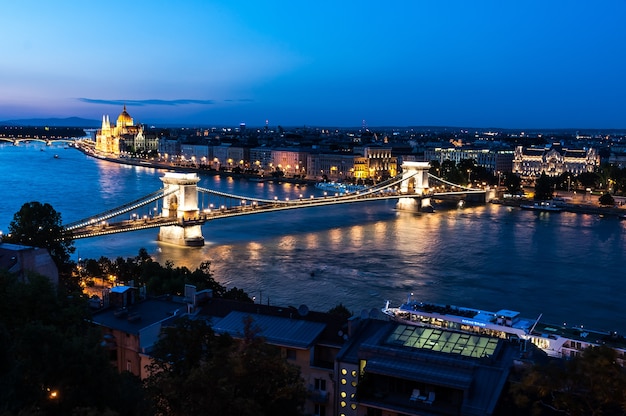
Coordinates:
(124, 135)
(554, 160)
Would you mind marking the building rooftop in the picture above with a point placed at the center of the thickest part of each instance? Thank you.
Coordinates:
(138, 316)
(288, 332)
(442, 359)
(333, 327)
(21, 259)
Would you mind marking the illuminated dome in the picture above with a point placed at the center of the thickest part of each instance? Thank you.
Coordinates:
(124, 119)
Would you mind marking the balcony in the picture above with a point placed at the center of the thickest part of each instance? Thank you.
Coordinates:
(318, 396)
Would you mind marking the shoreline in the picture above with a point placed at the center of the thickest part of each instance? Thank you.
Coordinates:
(168, 166)
(577, 208)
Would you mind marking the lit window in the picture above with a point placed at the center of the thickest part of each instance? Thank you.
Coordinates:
(343, 403)
(343, 381)
(344, 371)
(343, 394)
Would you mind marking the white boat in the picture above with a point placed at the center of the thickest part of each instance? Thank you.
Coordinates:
(339, 187)
(554, 340)
(542, 206)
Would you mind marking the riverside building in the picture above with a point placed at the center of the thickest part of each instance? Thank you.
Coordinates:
(553, 160)
(124, 136)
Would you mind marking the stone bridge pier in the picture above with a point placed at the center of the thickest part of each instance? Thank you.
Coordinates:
(414, 185)
(181, 206)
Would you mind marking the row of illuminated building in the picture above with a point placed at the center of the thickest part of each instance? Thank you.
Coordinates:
(354, 366)
(368, 162)
(527, 162)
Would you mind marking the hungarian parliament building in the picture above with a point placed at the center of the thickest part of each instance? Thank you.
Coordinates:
(124, 136)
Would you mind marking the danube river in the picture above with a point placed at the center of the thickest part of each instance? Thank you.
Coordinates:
(568, 267)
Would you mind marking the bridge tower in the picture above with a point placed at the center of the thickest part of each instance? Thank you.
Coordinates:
(415, 183)
(181, 206)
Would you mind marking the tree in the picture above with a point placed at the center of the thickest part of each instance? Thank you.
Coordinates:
(513, 183)
(195, 370)
(588, 179)
(543, 188)
(39, 225)
(50, 355)
(435, 167)
(606, 199)
(341, 311)
(591, 384)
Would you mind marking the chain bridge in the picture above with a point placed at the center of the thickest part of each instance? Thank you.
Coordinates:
(183, 213)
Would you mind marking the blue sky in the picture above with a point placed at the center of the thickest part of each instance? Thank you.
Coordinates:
(509, 64)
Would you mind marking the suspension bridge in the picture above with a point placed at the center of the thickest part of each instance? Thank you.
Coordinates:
(181, 217)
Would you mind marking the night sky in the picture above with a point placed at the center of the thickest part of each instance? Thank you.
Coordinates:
(506, 64)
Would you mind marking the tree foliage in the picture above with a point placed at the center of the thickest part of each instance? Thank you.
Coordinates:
(512, 183)
(39, 225)
(606, 199)
(160, 280)
(591, 384)
(196, 371)
(47, 346)
(543, 188)
(341, 311)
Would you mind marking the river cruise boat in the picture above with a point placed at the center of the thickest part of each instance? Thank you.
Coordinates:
(550, 206)
(339, 187)
(555, 340)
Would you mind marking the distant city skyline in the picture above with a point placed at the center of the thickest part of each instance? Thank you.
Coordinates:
(531, 65)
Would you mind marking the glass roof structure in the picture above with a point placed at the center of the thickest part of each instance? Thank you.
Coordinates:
(466, 345)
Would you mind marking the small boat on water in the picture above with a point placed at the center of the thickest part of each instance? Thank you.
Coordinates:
(555, 340)
(542, 206)
(56, 156)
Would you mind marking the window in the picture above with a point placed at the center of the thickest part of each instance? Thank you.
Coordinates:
(320, 384)
(290, 354)
(128, 366)
(320, 410)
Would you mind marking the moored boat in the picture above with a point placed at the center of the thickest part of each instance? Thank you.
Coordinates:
(542, 206)
(555, 340)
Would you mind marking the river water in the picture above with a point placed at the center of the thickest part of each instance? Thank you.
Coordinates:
(568, 267)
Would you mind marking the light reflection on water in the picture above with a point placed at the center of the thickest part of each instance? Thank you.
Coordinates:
(567, 266)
